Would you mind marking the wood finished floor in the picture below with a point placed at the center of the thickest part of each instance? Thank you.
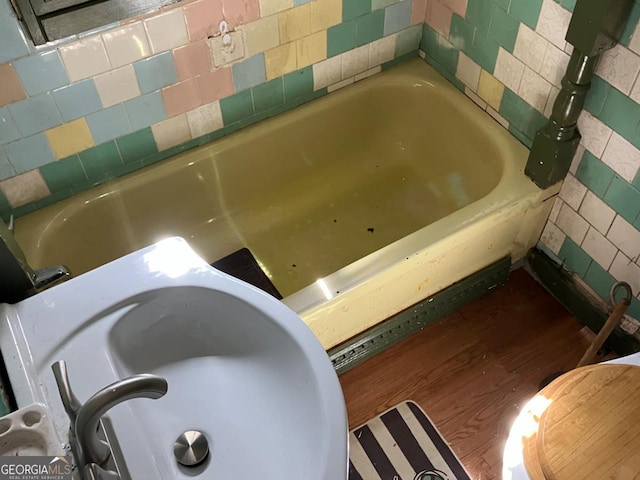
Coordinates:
(473, 370)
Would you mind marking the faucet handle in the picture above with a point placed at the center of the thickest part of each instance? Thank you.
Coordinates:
(69, 400)
(95, 472)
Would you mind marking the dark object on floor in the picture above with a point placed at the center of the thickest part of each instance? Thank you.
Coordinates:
(402, 443)
(243, 265)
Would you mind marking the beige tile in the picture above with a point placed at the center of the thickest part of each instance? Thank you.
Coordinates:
(167, 31)
(325, 14)
(337, 86)
(261, 35)
(572, 192)
(11, 90)
(597, 213)
(367, 73)
(599, 248)
(625, 270)
(205, 119)
(572, 224)
(85, 58)
(355, 61)
(622, 156)
(468, 72)
(490, 89)
(171, 132)
(327, 72)
(595, 134)
(553, 22)
(475, 98)
(619, 66)
(127, 44)
(280, 60)
(552, 237)
(70, 138)
(534, 89)
(117, 86)
(508, 69)
(269, 7)
(625, 236)
(295, 23)
(530, 48)
(312, 49)
(25, 188)
(554, 65)
(382, 50)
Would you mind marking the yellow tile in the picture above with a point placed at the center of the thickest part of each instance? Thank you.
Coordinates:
(325, 14)
(70, 138)
(269, 7)
(280, 60)
(295, 23)
(490, 89)
(312, 49)
(261, 35)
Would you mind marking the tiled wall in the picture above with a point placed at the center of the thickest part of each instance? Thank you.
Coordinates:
(112, 101)
(509, 56)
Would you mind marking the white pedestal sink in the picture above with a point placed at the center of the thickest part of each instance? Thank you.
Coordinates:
(241, 367)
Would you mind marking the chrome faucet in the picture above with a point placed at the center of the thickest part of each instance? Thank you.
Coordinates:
(17, 280)
(94, 457)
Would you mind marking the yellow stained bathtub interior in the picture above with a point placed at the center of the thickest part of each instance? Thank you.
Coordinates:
(309, 192)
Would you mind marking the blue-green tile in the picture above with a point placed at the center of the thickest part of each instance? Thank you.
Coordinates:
(447, 55)
(397, 17)
(268, 95)
(574, 258)
(6, 169)
(14, 44)
(8, 129)
(377, 4)
(355, 8)
(461, 33)
(599, 280)
(77, 100)
(445, 72)
(568, 4)
(520, 136)
(64, 173)
(622, 114)
(623, 198)
(249, 73)
(484, 51)
(594, 174)
(156, 72)
(298, 83)
(479, 14)
(29, 153)
(399, 60)
(109, 124)
(632, 21)
(145, 110)
(341, 38)
(520, 114)
(41, 72)
(504, 4)
(35, 114)
(137, 145)
(370, 27)
(408, 40)
(237, 107)
(597, 96)
(99, 161)
(527, 11)
(504, 28)
(429, 40)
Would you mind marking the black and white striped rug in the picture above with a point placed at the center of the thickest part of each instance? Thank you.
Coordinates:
(402, 444)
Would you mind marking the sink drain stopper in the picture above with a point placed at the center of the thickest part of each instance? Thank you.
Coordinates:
(191, 448)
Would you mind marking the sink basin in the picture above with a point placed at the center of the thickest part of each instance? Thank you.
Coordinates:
(241, 367)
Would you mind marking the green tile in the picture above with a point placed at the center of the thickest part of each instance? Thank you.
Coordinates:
(622, 114)
(268, 95)
(599, 280)
(446, 55)
(484, 51)
(634, 308)
(24, 210)
(429, 40)
(298, 83)
(634, 18)
(64, 173)
(355, 8)
(503, 3)
(594, 174)
(597, 95)
(461, 33)
(399, 60)
(520, 136)
(568, 4)
(100, 160)
(369, 27)
(574, 258)
(527, 11)
(504, 28)
(54, 198)
(520, 114)
(236, 107)
(445, 73)
(5, 206)
(136, 146)
(623, 198)
(408, 40)
(341, 38)
(479, 14)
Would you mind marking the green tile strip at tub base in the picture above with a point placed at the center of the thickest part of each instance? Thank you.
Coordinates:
(414, 319)
(575, 299)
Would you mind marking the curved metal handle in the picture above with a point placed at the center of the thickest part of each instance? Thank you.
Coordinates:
(627, 290)
(69, 400)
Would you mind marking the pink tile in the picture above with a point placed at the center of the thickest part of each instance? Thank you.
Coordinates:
(192, 60)
(203, 18)
(439, 17)
(11, 90)
(238, 12)
(181, 97)
(215, 85)
(418, 11)
(456, 6)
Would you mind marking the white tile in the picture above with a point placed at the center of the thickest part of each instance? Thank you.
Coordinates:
(572, 191)
(205, 119)
(551, 100)
(619, 66)
(339, 85)
(554, 65)
(117, 86)
(171, 132)
(534, 89)
(596, 212)
(127, 44)
(635, 92)
(382, 50)
(624, 236)
(575, 161)
(553, 23)
(475, 98)
(555, 210)
(25, 188)
(634, 44)
(599, 248)
(468, 71)
(167, 31)
(530, 48)
(497, 117)
(508, 69)
(85, 58)
(368, 73)
(552, 237)
(623, 269)
(355, 61)
(622, 157)
(572, 224)
(595, 134)
(327, 72)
